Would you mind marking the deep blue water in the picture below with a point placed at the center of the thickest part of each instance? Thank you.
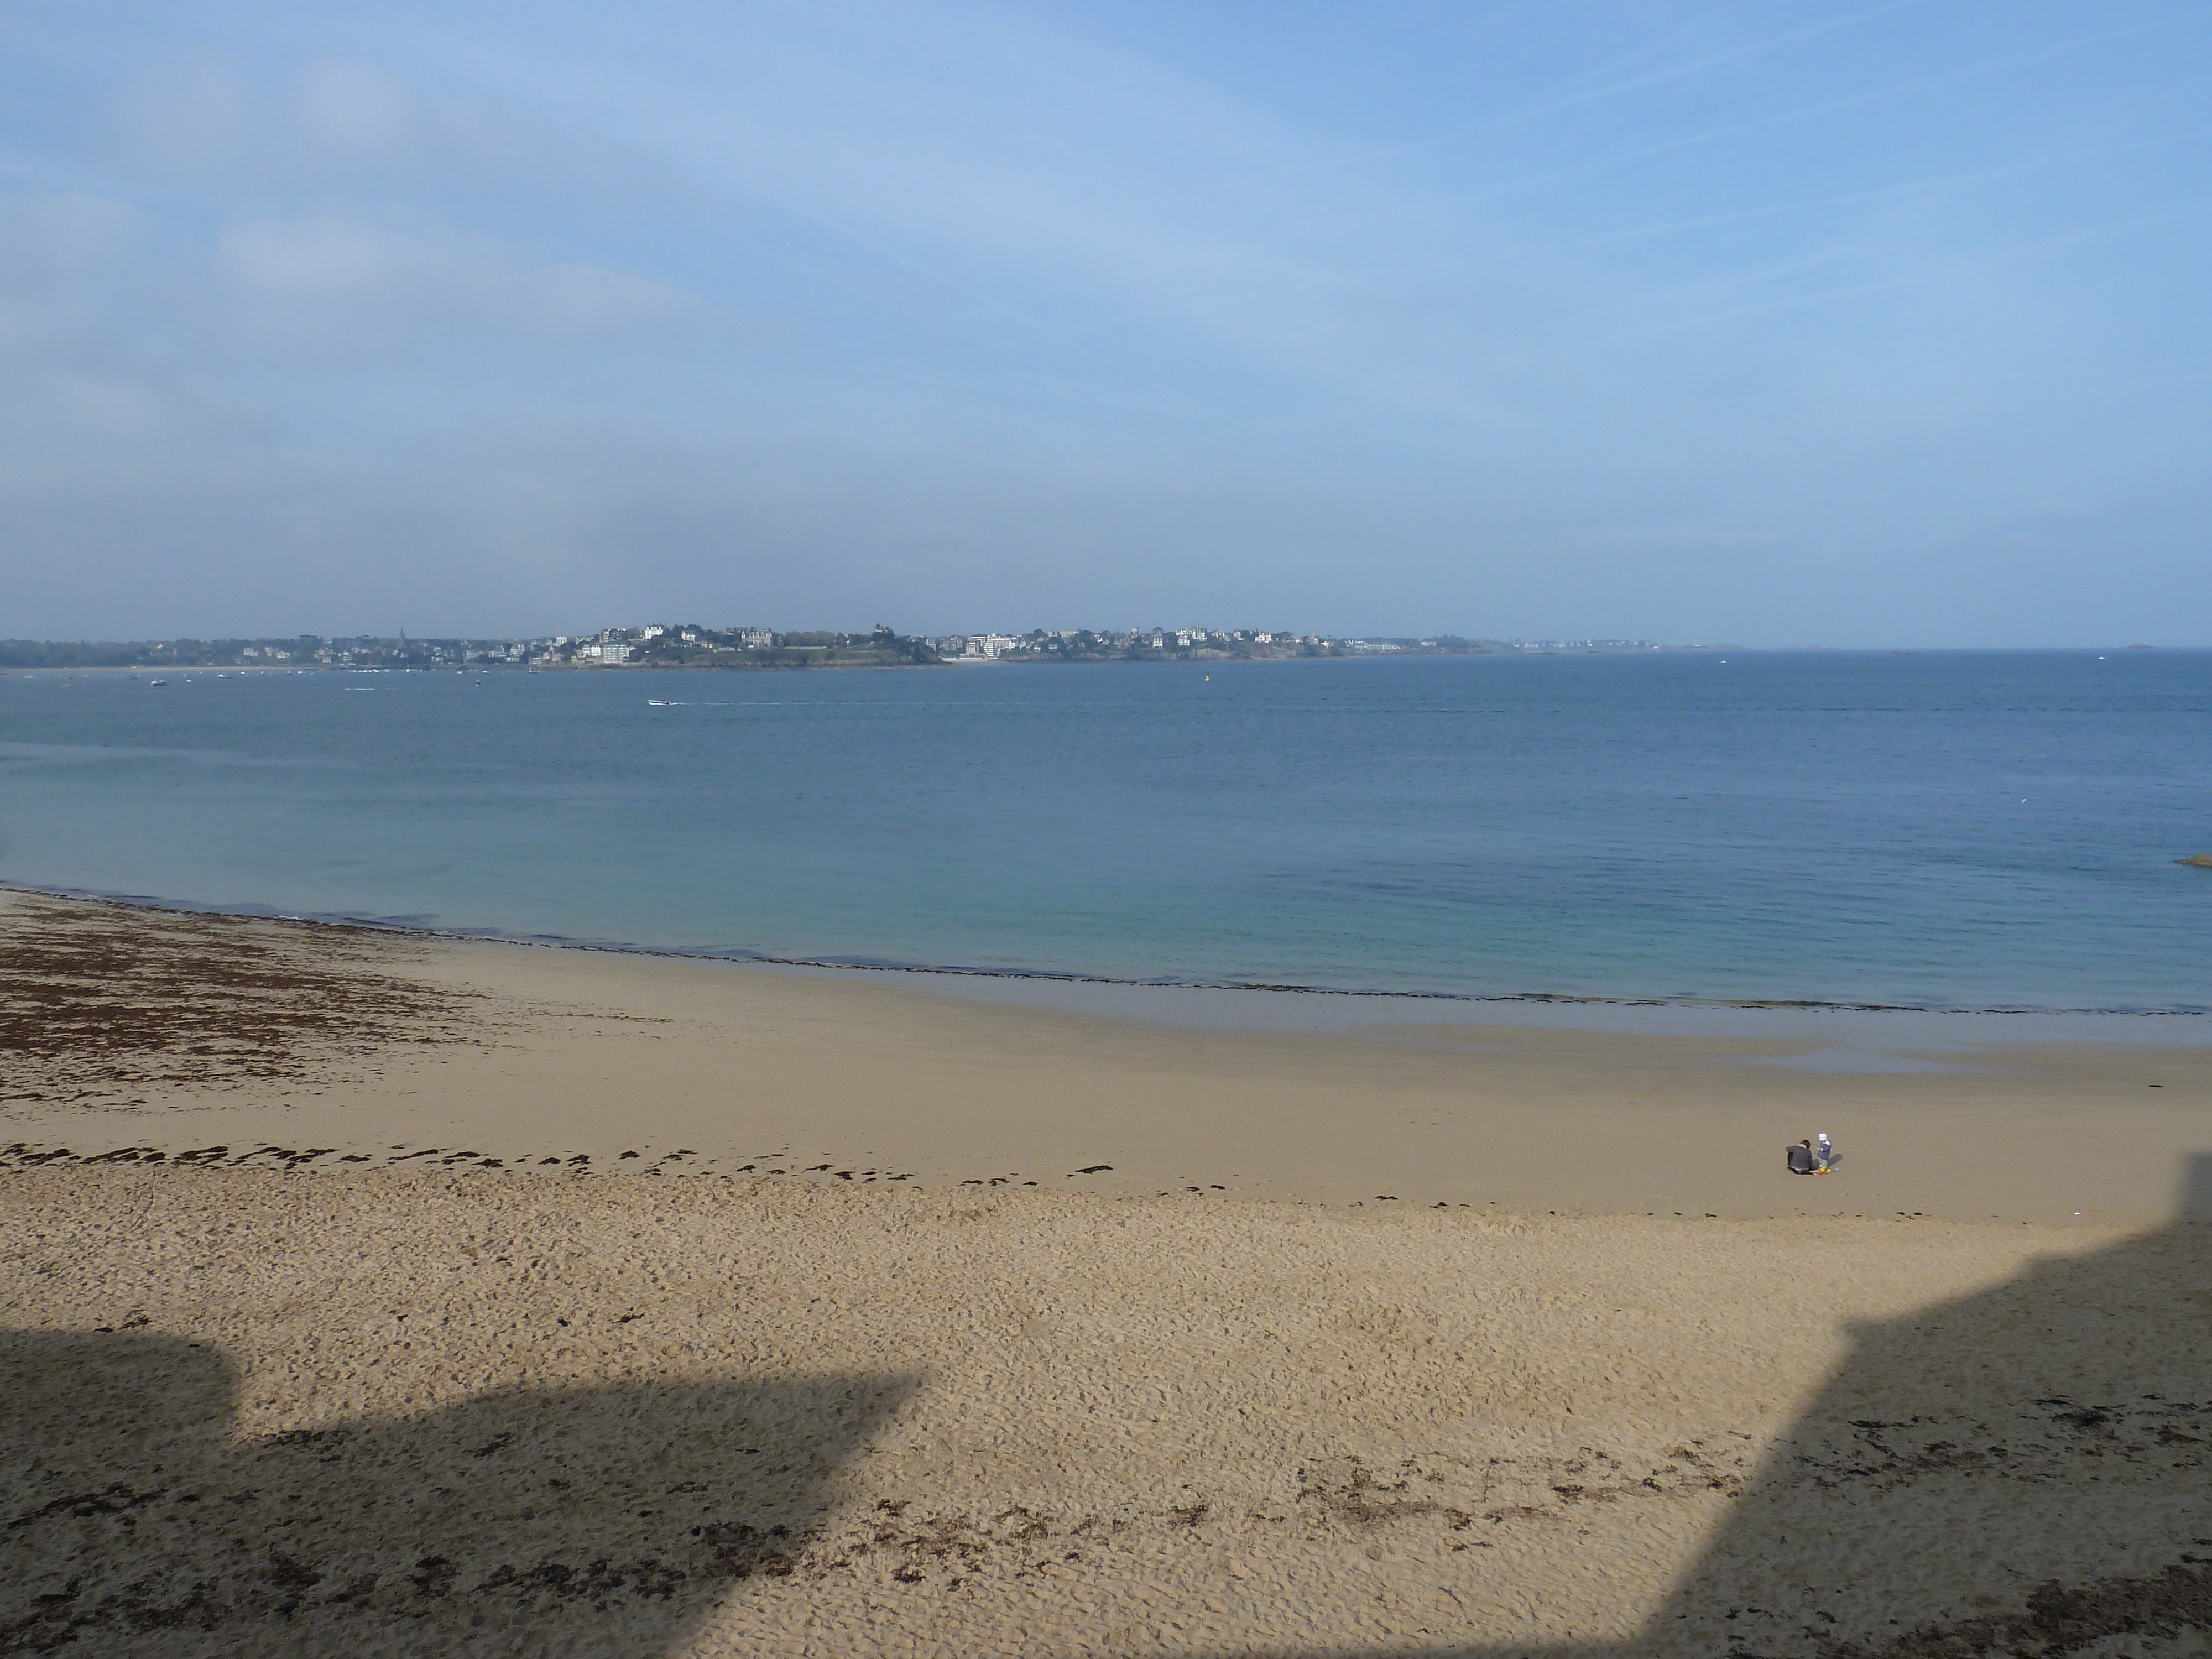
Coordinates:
(1958, 831)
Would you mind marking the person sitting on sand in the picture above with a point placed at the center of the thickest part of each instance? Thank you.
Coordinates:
(1801, 1158)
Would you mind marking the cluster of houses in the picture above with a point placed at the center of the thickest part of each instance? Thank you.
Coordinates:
(1043, 643)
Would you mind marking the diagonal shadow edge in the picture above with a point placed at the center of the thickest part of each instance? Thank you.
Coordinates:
(2022, 1471)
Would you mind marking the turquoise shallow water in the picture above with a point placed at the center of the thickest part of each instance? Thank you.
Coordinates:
(1966, 830)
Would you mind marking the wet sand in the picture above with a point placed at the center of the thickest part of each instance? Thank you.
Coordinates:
(260, 1401)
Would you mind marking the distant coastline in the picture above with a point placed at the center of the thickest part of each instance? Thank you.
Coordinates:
(688, 646)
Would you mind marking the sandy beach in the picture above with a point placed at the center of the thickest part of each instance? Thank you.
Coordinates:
(341, 1318)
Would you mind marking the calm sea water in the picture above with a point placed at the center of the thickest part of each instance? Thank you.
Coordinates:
(1952, 830)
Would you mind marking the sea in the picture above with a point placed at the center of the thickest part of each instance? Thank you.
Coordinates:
(1948, 831)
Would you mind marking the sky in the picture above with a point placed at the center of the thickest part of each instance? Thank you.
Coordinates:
(1778, 324)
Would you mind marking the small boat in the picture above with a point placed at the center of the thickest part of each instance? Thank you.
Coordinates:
(157, 682)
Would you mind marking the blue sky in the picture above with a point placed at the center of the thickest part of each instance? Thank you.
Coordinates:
(1776, 323)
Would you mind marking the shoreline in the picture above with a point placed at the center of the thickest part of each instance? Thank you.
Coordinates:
(1427, 1002)
(379, 1046)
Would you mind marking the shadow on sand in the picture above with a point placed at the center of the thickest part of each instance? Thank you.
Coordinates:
(602, 1521)
(2020, 1472)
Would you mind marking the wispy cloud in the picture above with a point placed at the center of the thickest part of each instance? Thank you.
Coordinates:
(1644, 81)
(347, 266)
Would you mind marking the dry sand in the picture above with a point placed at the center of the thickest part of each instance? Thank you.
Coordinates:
(304, 1407)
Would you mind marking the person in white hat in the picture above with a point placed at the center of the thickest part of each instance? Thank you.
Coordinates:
(1824, 1155)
